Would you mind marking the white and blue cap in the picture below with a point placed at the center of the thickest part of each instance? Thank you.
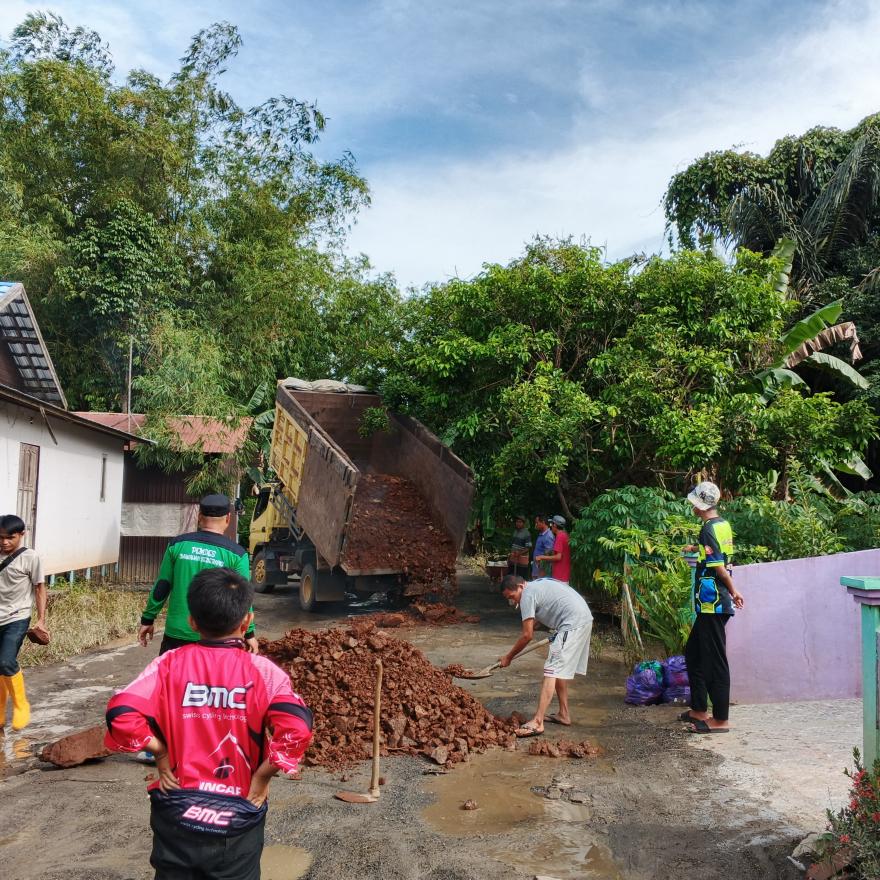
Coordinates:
(704, 496)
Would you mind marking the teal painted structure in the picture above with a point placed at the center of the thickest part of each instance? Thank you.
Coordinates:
(866, 591)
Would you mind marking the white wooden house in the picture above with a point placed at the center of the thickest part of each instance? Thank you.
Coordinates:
(61, 473)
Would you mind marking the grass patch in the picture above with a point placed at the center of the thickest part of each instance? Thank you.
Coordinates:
(82, 616)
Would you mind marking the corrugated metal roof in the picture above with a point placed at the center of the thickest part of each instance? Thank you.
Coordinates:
(21, 335)
(47, 410)
(212, 435)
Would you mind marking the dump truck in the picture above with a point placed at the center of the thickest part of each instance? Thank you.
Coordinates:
(321, 453)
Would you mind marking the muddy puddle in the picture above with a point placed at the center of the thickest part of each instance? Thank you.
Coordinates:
(497, 781)
(13, 750)
(501, 784)
(565, 854)
(284, 862)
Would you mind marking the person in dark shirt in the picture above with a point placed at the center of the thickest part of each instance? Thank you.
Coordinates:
(715, 599)
(520, 546)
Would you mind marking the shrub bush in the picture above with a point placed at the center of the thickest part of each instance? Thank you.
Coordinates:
(855, 830)
(643, 508)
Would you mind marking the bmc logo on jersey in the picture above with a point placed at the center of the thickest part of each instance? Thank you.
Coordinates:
(207, 816)
(205, 695)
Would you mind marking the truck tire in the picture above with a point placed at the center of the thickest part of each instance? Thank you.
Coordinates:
(260, 577)
(308, 583)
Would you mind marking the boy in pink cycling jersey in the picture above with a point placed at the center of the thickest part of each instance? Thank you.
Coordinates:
(221, 723)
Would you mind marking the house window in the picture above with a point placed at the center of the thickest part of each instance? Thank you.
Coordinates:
(103, 478)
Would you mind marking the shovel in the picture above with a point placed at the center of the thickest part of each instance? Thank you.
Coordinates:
(359, 797)
(485, 673)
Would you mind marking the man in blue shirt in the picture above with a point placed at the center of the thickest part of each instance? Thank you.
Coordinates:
(543, 546)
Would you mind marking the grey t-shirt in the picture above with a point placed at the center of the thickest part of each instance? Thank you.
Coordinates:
(521, 540)
(17, 582)
(554, 604)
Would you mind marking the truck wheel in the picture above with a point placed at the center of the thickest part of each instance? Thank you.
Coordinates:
(308, 582)
(260, 575)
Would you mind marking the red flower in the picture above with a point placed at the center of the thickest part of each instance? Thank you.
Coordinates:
(875, 817)
(844, 838)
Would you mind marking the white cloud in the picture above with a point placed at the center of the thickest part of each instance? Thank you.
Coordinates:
(430, 220)
(621, 124)
(151, 39)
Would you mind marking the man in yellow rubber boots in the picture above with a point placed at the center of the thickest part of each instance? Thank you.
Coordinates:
(21, 584)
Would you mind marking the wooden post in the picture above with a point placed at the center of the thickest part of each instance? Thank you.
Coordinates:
(627, 595)
(866, 591)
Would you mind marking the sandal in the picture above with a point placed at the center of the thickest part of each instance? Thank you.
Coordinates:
(700, 726)
(526, 731)
(555, 719)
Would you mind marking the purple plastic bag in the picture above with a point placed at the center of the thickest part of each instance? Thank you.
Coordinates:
(675, 672)
(675, 678)
(645, 686)
(677, 695)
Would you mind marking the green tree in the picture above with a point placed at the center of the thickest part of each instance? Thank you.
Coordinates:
(185, 375)
(821, 190)
(559, 376)
(128, 201)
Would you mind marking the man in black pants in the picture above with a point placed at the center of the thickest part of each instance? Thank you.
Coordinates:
(715, 598)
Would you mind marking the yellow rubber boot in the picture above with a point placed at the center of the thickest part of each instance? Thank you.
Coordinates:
(4, 694)
(21, 708)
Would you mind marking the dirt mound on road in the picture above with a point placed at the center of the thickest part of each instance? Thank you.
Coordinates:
(423, 712)
(563, 748)
(420, 614)
(391, 529)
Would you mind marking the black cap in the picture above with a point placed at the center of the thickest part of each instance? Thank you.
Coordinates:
(214, 505)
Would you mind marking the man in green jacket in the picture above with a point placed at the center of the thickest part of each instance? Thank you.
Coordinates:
(186, 556)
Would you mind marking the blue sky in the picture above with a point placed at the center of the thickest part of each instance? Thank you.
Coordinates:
(480, 124)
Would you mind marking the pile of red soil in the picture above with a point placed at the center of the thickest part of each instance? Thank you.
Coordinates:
(423, 712)
(391, 529)
(418, 614)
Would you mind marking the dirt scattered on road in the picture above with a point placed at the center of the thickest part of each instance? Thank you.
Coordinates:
(657, 804)
(563, 748)
(423, 712)
(391, 529)
(421, 614)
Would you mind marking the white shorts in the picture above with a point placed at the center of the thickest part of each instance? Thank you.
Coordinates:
(569, 653)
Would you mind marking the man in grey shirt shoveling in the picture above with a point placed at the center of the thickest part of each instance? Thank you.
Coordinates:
(562, 609)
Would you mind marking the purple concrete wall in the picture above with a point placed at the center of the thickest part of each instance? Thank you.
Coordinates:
(799, 636)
